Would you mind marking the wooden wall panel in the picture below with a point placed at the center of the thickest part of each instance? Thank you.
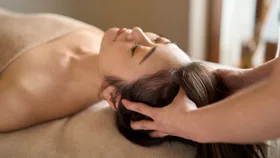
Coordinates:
(213, 30)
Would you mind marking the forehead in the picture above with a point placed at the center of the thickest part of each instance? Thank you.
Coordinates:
(170, 55)
(164, 58)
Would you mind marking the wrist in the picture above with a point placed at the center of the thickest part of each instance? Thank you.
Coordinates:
(191, 128)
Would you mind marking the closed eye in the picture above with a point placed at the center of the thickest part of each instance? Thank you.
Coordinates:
(157, 40)
(152, 51)
(161, 39)
(133, 49)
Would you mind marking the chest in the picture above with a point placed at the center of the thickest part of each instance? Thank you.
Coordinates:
(56, 79)
(53, 73)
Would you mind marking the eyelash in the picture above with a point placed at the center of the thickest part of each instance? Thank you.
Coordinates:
(157, 39)
(133, 48)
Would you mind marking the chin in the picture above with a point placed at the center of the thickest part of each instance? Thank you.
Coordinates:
(109, 35)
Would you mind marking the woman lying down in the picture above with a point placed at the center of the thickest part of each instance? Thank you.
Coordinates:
(53, 67)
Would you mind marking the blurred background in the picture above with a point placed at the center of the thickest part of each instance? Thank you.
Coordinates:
(241, 33)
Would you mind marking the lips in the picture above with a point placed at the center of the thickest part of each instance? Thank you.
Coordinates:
(121, 30)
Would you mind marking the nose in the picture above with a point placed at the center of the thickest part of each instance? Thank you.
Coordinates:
(140, 37)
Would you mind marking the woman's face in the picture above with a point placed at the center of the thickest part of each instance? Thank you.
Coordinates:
(130, 54)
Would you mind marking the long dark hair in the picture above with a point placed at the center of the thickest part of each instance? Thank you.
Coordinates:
(202, 86)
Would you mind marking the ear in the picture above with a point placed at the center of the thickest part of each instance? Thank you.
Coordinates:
(109, 96)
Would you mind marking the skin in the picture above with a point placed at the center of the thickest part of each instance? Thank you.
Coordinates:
(64, 76)
(254, 109)
(116, 58)
(241, 78)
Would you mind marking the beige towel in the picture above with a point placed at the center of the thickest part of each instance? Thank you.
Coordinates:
(91, 133)
(21, 32)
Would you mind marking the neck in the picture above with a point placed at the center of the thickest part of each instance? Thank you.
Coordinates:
(93, 77)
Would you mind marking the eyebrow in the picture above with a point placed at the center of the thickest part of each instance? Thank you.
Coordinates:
(151, 52)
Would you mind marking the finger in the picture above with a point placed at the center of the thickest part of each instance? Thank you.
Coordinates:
(140, 108)
(143, 125)
(157, 134)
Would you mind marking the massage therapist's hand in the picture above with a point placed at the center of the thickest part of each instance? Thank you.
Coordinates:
(166, 120)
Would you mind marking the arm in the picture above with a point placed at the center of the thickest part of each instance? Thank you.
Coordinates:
(249, 116)
(259, 73)
(236, 79)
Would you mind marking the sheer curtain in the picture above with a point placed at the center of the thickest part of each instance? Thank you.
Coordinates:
(237, 25)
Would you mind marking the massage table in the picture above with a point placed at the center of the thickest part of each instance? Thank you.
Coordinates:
(91, 133)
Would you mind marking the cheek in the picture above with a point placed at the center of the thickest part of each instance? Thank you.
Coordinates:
(115, 65)
(159, 62)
